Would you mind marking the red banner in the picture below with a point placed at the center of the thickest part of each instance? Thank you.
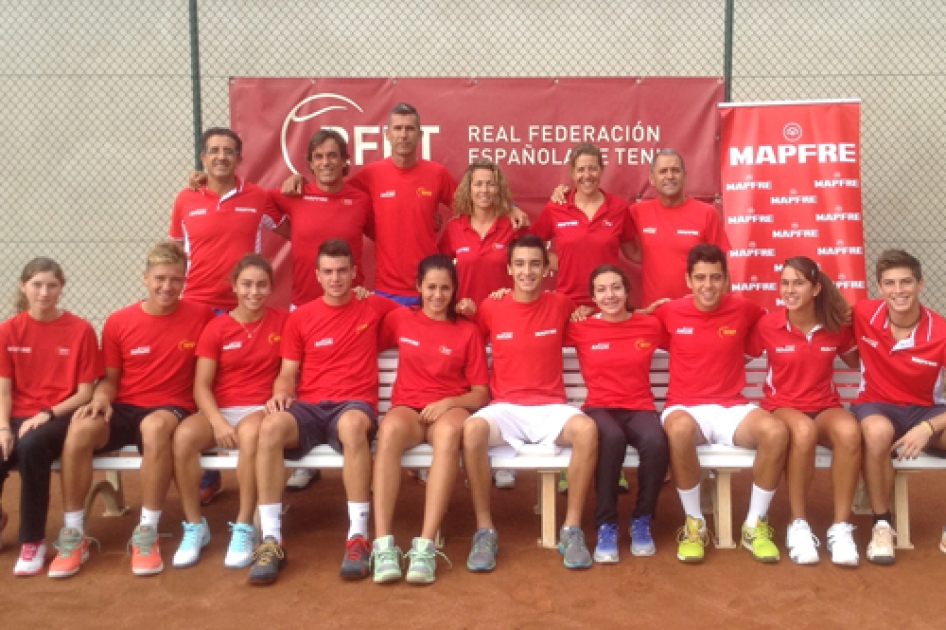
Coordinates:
(792, 187)
(527, 126)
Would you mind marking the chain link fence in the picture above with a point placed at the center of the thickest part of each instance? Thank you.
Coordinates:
(97, 114)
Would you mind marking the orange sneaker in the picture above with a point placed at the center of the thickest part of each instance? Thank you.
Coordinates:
(145, 552)
(73, 552)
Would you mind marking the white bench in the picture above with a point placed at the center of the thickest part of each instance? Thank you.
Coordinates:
(718, 462)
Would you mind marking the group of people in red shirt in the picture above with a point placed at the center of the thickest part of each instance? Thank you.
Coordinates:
(204, 362)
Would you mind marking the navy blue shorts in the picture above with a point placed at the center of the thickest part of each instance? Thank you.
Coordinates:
(318, 424)
(903, 418)
(124, 428)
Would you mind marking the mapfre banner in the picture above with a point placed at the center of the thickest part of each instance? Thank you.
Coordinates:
(527, 126)
(792, 187)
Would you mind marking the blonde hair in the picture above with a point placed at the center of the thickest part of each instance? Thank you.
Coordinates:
(32, 268)
(166, 253)
(463, 199)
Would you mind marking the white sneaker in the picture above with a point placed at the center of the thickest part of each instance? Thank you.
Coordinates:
(32, 559)
(801, 543)
(841, 545)
(504, 479)
(196, 536)
(880, 549)
(300, 479)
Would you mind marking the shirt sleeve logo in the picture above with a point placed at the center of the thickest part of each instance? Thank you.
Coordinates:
(247, 210)
(322, 343)
(445, 350)
(63, 352)
(140, 350)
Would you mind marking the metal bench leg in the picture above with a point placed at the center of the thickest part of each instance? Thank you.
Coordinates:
(547, 482)
(901, 501)
(439, 540)
(722, 504)
(113, 497)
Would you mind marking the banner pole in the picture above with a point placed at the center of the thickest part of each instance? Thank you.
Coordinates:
(727, 49)
(195, 80)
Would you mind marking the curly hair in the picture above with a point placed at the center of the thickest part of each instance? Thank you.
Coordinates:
(463, 199)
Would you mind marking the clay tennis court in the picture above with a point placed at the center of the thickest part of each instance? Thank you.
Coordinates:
(529, 589)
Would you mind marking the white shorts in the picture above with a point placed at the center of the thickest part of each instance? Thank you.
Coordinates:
(717, 423)
(511, 426)
(233, 415)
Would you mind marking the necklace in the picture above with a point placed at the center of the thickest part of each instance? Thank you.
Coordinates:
(909, 327)
(249, 333)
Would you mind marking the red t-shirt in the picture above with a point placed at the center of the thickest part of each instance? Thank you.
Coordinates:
(615, 360)
(317, 216)
(526, 339)
(909, 372)
(217, 231)
(436, 360)
(247, 362)
(583, 244)
(337, 347)
(405, 201)
(666, 236)
(46, 361)
(801, 367)
(155, 354)
(708, 350)
(481, 262)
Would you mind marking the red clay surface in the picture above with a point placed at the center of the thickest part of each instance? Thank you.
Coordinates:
(529, 589)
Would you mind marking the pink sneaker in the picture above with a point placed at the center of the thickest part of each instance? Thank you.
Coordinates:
(31, 560)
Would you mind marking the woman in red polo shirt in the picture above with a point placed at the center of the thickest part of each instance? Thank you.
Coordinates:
(49, 361)
(588, 229)
(441, 378)
(801, 342)
(477, 237)
(237, 361)
(614, 350)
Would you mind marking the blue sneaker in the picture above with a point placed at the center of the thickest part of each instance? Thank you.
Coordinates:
(642, 543)
(242, 545)
(606, 551)
(196, 536)
(211, 484)
(483, 551)
(572, 547)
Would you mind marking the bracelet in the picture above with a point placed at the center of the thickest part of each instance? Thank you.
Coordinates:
(929, 425)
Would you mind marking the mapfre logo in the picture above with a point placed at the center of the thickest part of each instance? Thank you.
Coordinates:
(423, 192)
(643, 344)
(301, 122)
(273, 338)
(792, 132)
(186, 344)
(726, 331)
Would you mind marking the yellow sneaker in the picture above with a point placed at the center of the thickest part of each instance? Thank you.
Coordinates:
(692, 538)
(758, 540)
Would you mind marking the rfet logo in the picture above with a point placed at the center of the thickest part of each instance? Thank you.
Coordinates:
(726, 331)
(274, 338)
(792, 132)
(361, 139)
(186, 344)
(642, 344)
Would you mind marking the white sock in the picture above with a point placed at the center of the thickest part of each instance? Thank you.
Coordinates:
(691, 502)
(270, 518)
(358, 515)
(75, 520)
(150, 517)
(759, 502)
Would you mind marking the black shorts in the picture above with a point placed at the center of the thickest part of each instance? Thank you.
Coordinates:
(124, 428)
(318, 424)
(902, 417)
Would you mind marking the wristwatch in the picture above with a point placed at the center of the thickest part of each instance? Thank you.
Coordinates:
(49, 412)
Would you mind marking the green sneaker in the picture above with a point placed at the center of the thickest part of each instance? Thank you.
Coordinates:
(758, 540)
(423, 561)
(623, 488)
(692, 539)
(386, 559)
